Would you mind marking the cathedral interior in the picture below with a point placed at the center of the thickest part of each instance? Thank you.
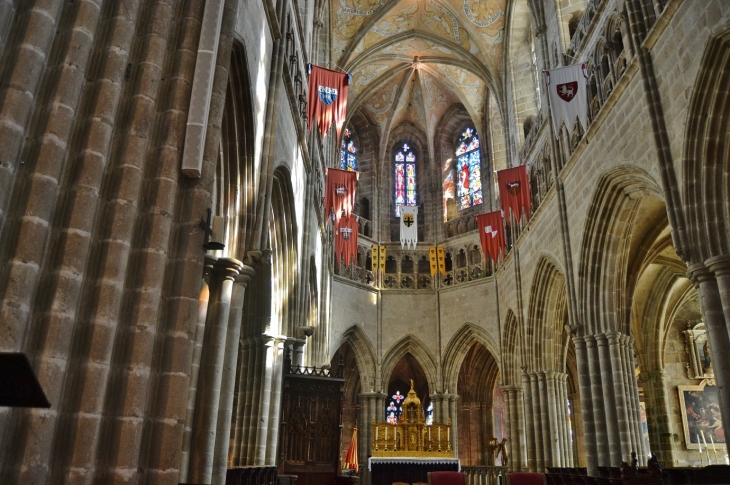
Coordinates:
(166, 260)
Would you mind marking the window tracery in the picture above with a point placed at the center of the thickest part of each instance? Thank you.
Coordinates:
(468, 170)
(405, 178)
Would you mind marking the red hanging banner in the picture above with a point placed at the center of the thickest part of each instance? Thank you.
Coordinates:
(327, 99)
(491, 233)
(346, 239)
(514, 191)
(339, 192)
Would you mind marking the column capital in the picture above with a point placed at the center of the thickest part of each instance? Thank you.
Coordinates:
(227, 268)
(244, 275)
(720, 265)
(698, 273)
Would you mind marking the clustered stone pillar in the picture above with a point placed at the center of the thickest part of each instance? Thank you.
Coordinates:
(657, 415)
(370, 410)
(548, 429)
(713, 285)
(609, 399)
(211, 370)
(258, 402)
(516, 443)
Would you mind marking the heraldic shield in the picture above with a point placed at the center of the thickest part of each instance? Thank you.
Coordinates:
(567, 91)
(327, 95)
(408, 219)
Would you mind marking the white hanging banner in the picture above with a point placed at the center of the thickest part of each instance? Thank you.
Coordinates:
(408, 226)
(568, 94)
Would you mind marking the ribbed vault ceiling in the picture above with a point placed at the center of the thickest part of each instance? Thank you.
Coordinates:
(413, 59)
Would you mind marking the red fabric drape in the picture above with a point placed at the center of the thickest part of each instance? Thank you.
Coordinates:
(514, 191)
(491, 233)
(339, 193)
(346, 239)
(327, 99)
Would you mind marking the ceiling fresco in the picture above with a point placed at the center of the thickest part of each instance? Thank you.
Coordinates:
(413, 59)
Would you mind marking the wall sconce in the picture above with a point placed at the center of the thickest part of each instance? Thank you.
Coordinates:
(215, 234)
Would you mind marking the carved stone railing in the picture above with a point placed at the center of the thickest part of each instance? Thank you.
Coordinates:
(464, 262)
(460, 225)
(485, 475)
(589, 15)
(531, 137)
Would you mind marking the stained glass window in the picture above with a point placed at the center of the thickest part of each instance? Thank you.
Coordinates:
(405, 178)
(348, 150)
(468, 170)
(394, 410)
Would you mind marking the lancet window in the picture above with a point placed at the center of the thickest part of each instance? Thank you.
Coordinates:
(405, 177)
(468, 170)
(348, 152)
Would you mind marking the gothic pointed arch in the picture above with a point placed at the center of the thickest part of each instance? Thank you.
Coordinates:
(364, 354)
(458, 347)
(615, 225)
(284, 260)
(547, 315)
(511, 351)
(706, 154)
(410, 344)
(234, 195)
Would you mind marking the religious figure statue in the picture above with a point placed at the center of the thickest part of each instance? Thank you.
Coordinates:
(501, 452)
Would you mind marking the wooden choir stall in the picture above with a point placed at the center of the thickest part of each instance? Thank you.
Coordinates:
(408, 450)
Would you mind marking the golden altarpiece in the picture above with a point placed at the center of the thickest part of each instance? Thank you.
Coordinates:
(411, 436)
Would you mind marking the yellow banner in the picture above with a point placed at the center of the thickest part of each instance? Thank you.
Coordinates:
(442, 260)
(432, 260)
(378, 258)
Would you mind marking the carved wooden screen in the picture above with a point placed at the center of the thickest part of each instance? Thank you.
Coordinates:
(311, 417)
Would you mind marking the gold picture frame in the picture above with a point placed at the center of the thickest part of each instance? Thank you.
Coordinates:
(701, 416)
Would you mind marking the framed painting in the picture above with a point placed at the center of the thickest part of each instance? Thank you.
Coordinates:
(701, 416)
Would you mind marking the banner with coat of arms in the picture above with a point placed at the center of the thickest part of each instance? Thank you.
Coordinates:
(491, 234)
(408, 226)
(327, 99)
(346, 239)
(339, 196)
(568, 94)
(514, 191)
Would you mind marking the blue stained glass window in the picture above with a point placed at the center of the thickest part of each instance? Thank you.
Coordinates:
(348, 159)
(394, 409)
(468, 169)
(405, 178)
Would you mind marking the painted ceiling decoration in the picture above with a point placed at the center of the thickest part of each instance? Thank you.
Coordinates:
(413, 59)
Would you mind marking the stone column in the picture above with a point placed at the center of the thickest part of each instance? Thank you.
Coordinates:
(554, 418)
(657, 416)
(545, 416)
(275, 410)
(611, 440)
(711, 301)
(623, 417)
(454, 407)
(228, 383)
(207, 399)
(264, 400)
(586, 403)
(632, 392)
(578, 443)
(195, 367)
(297, 352)
(530, 424)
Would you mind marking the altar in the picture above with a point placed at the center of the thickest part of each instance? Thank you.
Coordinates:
(407, 449)
(386, 470)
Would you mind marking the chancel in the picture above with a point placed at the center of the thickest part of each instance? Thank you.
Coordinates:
(329, 242)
